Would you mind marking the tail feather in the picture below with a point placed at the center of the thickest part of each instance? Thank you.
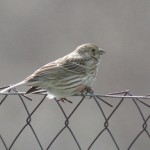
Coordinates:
(12, 86)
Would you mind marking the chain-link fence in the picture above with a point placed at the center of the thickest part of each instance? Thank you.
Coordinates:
(120, 121)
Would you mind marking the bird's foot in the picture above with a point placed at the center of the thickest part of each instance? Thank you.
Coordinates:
(87, 90)
(64, 100)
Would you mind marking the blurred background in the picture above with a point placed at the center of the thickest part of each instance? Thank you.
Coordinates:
(35, 32)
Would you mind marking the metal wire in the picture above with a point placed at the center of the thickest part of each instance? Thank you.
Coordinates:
(98, 99)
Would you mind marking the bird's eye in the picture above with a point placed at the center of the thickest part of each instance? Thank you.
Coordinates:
(93, 50)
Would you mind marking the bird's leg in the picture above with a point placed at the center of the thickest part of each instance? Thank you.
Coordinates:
(64, 100)
(87, 90)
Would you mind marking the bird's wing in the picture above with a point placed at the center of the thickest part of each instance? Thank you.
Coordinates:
(43, 73)
(74, 65)
(60, 68)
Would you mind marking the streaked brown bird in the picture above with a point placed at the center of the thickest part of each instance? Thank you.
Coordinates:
(66, 76)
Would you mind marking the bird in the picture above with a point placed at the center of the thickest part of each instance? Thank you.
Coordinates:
(72, 74)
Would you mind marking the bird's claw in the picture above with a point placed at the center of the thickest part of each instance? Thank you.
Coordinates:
(64, 100)
(87, 90)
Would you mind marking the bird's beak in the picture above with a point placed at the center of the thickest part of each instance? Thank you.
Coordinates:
(101, 52)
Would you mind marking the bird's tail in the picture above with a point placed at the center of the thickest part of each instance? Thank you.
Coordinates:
(12, 86)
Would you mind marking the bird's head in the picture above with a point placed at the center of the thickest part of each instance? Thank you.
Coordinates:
(90, 50)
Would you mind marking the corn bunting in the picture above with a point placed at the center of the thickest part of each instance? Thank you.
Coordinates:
(66, 76)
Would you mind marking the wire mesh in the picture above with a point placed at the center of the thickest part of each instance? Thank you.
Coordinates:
(99, 101)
